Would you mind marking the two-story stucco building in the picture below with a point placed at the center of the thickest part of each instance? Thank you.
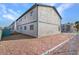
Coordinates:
(40, 20)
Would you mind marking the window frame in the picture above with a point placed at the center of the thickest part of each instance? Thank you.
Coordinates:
(25, 27)
(31, 27)
(31, 13)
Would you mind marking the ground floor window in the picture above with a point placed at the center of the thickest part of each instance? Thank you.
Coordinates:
(20, 27)
(25, 27)
(31, 27)
(17, 27)
(59, 28)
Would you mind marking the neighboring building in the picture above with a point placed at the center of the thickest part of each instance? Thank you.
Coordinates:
(68, 28)
(0, 33)
(12, 27)
(40, 20)
(6, 32)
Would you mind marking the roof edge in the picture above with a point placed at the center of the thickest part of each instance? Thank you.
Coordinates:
(38, 4)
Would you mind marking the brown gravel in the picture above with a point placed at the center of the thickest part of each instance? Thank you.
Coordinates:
(21, 44)
(69, 48)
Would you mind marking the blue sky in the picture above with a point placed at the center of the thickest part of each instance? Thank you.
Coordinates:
(9, 12)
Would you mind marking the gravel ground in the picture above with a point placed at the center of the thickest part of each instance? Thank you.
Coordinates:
(25, 45)
(69, 48)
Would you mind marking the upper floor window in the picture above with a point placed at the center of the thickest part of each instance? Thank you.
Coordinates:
(23, 18)
(20, 27)
(31, 27)
(31, 13)
(20, 20)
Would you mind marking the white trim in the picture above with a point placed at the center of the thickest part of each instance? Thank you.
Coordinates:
(55, 47)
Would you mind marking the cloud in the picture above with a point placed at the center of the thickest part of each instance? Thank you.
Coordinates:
(64, 7)
(51, 4)
(9, 16)
(21, 4)
(8, 13)
(3, 8)
(13, 12)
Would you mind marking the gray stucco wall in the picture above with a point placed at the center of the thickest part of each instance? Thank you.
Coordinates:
(28, 31)
(28, 20)
(48, 21)
(48, 14)
(45, 20)
(47, 29)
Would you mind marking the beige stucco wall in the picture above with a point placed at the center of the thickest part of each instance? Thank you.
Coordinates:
(48, 21)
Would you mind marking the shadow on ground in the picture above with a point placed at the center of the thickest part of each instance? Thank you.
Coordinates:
(17, 37)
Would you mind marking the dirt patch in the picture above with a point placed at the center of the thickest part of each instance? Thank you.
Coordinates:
(69, 48)
(29, 45)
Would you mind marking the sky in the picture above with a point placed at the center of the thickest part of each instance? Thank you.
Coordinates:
(9, 12)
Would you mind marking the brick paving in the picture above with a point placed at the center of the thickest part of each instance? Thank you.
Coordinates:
(24, 45)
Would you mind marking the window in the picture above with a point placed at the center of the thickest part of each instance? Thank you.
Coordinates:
(17, 27)
(20, 27)
(20, 20)
(25, 27)
(31, 13)
(25, 17)
(59, 28)
(31, 27)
